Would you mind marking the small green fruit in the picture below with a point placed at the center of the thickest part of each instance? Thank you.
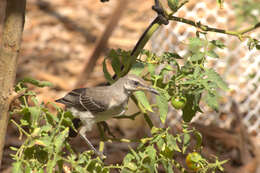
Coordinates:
(192, 160)
(178, 102)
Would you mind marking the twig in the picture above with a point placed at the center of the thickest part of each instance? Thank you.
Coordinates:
(132, 117)
(206, 28)
(15, 96)
(148, 120)
(20, 128)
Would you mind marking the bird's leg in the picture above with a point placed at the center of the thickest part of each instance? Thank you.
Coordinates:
(106, 128)
(83, 135)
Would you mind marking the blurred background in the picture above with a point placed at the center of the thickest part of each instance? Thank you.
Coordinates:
(65, 42)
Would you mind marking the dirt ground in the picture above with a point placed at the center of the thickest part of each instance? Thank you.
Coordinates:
(58, 40)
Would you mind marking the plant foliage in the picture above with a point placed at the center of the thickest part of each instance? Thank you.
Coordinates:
(46, 149)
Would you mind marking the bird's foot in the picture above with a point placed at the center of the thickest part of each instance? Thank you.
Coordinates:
(97, 153)
(106, 129)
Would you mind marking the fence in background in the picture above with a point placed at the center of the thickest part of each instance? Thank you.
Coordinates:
(237, 65)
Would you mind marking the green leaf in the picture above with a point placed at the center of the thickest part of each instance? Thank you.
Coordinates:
(115, 61)
(35, 100)
(36, 132)
(151, 152)
(212, 54)
(17, 167)
(197, 72)
(137, 68)
(50, 166)
(41, 170)
(43, 141)
(106, 73)
(172, 143)
(186, 141)
(51, 119)
(162, 103)
(195, 44)
(67, 119)
(173, 4)
(167, 166)
(59, 140)
(13, 148)
(141, 97)
(216, 78)
(171, 56)
(218, 44)
(29, 152)
(36, 82)
(155, 130)
(167, 68)
(197, 56)
(41, 155)
(160, 143)
(24, 122)
(137, 157)
(198, 137)
(125, 170)
(131, 165)
(190, 109)
(195, 157)
(35, 113)
(151, 68)
(212, 101)
(128, 158)
(46, 128)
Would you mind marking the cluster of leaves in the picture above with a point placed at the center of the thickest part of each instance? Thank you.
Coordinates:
(173, 80)
(184, 81)
(162, 149)
(181, 80)
(190, 80)
(46, 147)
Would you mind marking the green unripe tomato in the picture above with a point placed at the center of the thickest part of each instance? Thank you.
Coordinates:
(178, 102)
(192, 160)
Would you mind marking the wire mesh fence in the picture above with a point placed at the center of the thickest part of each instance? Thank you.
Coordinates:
(237, 64)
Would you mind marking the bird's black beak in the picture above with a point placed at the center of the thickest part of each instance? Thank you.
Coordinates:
(148, 88)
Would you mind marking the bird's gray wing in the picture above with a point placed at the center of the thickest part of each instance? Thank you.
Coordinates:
(78, 99)
(92, 104)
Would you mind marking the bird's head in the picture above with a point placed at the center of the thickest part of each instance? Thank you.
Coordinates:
(134, 83)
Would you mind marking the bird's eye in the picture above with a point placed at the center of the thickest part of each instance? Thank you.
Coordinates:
(136, 83)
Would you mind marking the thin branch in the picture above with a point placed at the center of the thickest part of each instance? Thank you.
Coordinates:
(148, 120)
(206, 28)
(132, 117)
(15, 96)
(20, 128)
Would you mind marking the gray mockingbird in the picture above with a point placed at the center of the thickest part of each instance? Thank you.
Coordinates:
(97, 104)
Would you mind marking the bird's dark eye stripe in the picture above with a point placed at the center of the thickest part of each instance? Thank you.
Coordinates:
(136, 83)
